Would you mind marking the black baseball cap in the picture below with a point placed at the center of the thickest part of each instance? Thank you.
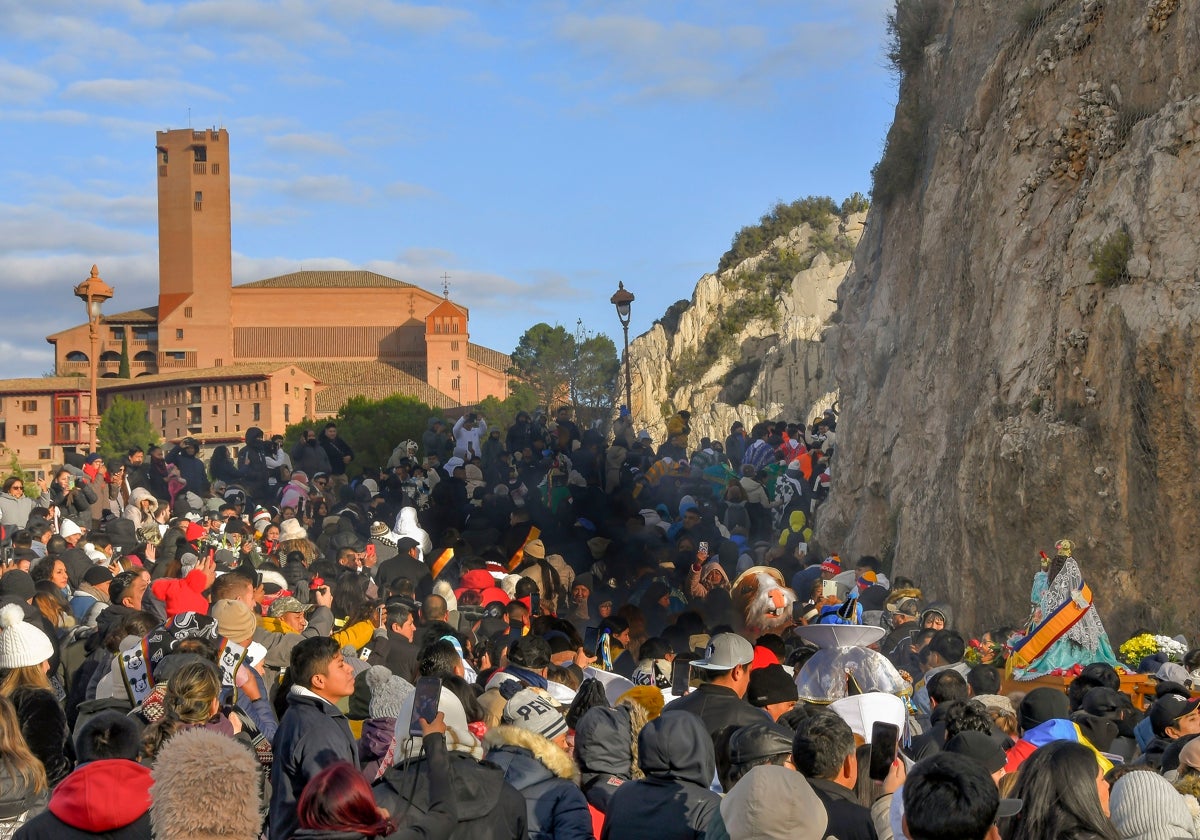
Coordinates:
(1168, 709)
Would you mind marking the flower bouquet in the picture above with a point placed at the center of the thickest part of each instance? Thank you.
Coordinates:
(1147, 644)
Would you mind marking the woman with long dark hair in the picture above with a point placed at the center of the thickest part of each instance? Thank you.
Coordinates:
(25, 653)
(1064, 796)
(23, 786)
(337, 803)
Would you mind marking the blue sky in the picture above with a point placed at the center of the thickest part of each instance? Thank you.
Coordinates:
(537, 152)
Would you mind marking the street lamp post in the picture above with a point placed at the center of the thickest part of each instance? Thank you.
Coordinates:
(93, 292)
(621, 299)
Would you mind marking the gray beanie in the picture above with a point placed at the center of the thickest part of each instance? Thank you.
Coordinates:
(387, 692)
(1146, 807)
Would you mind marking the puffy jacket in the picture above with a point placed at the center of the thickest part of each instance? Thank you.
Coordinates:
(83, 804)
(252, 465)
(673, 802)
(180, 595)
(487, 807)
(546, 777)
(14, 512)
(44, 725)
(605, 742)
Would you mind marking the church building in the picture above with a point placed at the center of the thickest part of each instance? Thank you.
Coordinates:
(211, 359)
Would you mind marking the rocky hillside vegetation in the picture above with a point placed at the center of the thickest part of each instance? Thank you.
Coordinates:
(750, 344)
(1017, 348)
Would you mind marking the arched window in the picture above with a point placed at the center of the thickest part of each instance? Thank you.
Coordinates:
(77, 356)
(144, 356)
(110, 356)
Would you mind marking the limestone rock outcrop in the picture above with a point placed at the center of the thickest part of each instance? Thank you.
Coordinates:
(771, 364)
(1017, 348)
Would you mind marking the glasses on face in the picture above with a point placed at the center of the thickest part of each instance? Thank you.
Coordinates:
(18, 487)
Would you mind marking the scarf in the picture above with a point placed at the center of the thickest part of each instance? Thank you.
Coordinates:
(528, 677)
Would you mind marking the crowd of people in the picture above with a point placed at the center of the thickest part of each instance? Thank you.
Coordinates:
(538, 632)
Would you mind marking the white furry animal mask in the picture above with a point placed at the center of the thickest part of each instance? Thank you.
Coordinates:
(763, 600)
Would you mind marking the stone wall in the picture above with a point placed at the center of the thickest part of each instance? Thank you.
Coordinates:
(1016, 353)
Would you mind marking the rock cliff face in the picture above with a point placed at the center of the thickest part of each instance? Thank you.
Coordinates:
(745, 348)
(1016, 353)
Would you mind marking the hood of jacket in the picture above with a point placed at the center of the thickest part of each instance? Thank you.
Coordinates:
(774, 802)
(479, 580)
(254, 436)
(141, 494)
(507, 746)
(675, 745)
(84, 800)
(605, 743)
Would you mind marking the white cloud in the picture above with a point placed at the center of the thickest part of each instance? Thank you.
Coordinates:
(294, 20)
(675, 60)
(22, 86)
(332, 188)
(32, 229)
(139, 91)
(406, 16)
(300, 143)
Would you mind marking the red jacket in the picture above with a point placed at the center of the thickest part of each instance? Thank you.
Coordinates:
(181, 595)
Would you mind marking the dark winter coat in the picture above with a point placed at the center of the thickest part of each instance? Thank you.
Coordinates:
(718, 707)
(673, 802)
(487, 807)
(252, 465)
(604, 748)
(44, 725)
(83, 805)
(191, 469)
(848, 820)
(312, 735)
(75, 503)
(437, 824)
(546, 777)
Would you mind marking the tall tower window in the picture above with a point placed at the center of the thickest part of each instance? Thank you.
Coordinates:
(199, 153)
(199, 201)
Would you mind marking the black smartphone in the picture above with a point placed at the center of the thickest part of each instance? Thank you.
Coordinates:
(591, 637)
(885, 741)
(535, 603)
(425, 703)
(681, 676)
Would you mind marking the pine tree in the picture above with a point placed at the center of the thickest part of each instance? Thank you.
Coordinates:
(123, 369)
(124, 425)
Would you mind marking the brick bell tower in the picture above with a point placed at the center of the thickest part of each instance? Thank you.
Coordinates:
(195, 250)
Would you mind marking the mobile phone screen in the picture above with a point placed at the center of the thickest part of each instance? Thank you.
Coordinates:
(425, 703)
(590, 639)
(885, 740)
(535, 604)
(681, 675)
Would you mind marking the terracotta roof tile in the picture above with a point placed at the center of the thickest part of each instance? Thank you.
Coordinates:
(488, 357)
(147, 315)
(43, 384)
(178, 375)
(373, 380)
(328, 279)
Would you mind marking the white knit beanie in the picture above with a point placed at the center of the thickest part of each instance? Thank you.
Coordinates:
(1145, 806)
(21, 644)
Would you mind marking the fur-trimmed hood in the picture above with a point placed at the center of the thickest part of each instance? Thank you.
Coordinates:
(186, 805)
(548, 754)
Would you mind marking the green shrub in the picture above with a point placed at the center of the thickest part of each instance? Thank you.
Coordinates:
(903, 152)
(816, 211)
(911, 27)
(1110, 258)
(855, 203)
